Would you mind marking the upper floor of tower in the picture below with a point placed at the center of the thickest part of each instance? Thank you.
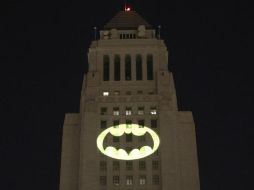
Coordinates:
(127, 24)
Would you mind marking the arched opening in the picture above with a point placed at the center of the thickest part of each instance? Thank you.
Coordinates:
(117, 71)
(106, 68)
(138, 67)
(149, 64)
(127, 67)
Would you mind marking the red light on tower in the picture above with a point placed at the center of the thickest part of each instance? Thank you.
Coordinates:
(127, 9)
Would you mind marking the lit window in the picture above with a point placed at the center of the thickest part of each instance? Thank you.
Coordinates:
(142, 165)
(128, 111)
(116, 180)
(103, 180)
(142, 180)
(155, 165)
(116, 111)
(153, 111)
(105, 93)
(153, 123)
(116, 166)
(156, 179)
(103, 165)
(104, 111)
(103, 124)
(129, 165)
(141, 110)
(129, 180)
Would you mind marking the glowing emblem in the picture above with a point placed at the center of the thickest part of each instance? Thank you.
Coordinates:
(122, 154)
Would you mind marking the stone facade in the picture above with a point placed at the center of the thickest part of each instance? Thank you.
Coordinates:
(151, 100)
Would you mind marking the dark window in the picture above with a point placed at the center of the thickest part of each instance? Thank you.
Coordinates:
(142, 165)
(128, 137)
(117, 71)
(129, 165)
(149, 65)
(141, 123)
(116, 180)
(116, 139)
(156, 179)
(127, 67)
(138, 67)
(155, 165)
(141, 110)
(116, 123)
(116, 166)
(103, 180)
(154, 123)
(103, 111)
(103, 165)
(103, 124)
(106, 68)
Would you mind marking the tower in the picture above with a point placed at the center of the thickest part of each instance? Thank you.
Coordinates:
(129, 133)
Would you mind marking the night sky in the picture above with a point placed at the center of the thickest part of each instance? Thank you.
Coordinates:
(43, 59)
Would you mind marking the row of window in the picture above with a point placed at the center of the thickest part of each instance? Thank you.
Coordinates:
(128, 165)
(141, 123)
(128, 111)
(127, 66)
(129, 180)
(116, 93)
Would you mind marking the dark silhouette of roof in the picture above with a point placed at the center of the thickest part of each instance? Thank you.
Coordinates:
(126, 20)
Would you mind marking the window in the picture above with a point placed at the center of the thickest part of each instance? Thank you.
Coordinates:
(116, 93)
(105, 93)
(138, 67)
(149, 65)
(153, 123)
(106, 68)
(116, 111)
(104, 111)
(103, 165)
(128, 93)
(141, 123)
(117, 70)
(142, 165)
(153, 111)
(116, 139)
(141, 110)
(128, 123)
(156, 179)
(155, 164)
(103, 180)
(116, 180)
(128, 111)
(128, 137)
(116, 166)
(142, 180)
(116, 123)
(103, 124)
(142, 138)
(139, 92)
(127, 67)
(129, 165)
(129, 180)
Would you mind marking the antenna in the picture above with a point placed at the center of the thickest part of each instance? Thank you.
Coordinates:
(159, 31)
(125, 5)
(95, 32)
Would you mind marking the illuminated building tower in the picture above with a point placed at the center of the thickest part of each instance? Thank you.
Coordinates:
(129, 133)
